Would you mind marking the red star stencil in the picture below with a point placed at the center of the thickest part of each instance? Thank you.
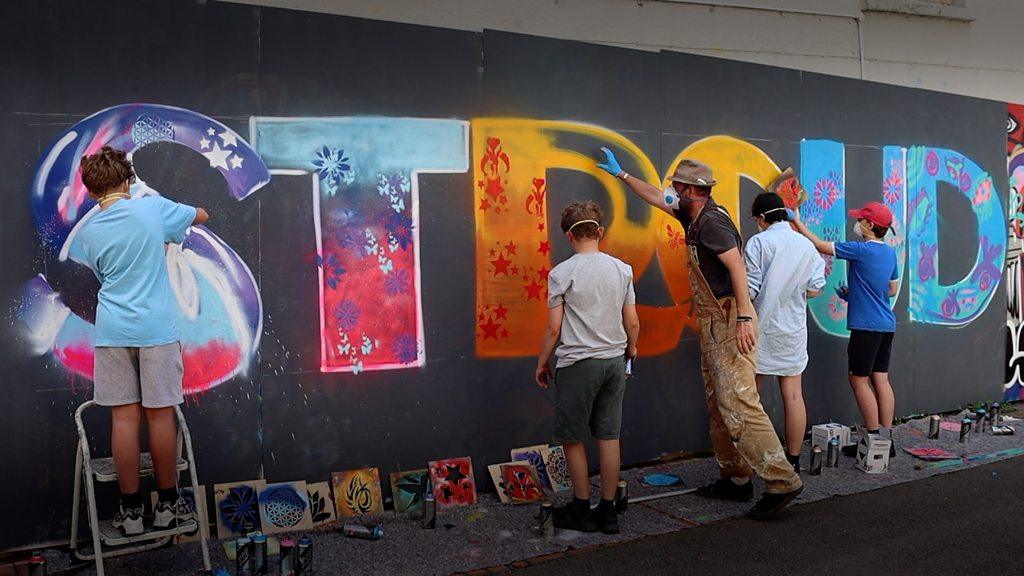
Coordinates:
(533, 290)
(490, 329)
(501, 265)
(545, 247)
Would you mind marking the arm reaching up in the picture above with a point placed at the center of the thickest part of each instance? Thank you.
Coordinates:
(823, 247)
(645, 190)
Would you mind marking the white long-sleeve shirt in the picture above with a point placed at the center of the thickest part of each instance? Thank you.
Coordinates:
(782, 266)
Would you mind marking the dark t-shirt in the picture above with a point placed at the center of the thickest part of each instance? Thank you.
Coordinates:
(712, 234)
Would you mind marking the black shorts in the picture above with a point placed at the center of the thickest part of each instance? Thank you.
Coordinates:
(869, 352)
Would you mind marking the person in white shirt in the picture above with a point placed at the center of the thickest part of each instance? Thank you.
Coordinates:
(783, 270)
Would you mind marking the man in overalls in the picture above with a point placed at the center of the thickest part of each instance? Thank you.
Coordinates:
(741, 433)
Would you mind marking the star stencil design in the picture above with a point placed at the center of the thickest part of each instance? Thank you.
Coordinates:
(544, 248)
(218, 157)
(501, 265)
(533, 290)
(228, 138)
(490, 329)
(501, 312)
(236, 161)
(511, 248)
(204, 143)
(211, 132)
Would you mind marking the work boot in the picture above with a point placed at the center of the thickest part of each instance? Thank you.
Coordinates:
(606, 517)
(575, 515)
(772, 503)
(726, 489)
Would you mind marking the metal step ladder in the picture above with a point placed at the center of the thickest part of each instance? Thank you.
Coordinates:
(109, 542)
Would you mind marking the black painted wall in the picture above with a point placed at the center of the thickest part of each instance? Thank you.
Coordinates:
(62, 60)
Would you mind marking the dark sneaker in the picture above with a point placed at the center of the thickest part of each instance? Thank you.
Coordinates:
(726, 489)
(772, 503)
(129, 521)
(606, 517)
(574, 517)
(850, 450)
(166, 513)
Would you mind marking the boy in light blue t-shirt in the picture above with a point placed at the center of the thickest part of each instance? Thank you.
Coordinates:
(137, 362)
(873, 276)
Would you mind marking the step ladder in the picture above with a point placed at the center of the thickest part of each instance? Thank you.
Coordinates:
(109, 542)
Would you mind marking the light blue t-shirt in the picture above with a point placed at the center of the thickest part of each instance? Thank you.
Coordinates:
(872, 266)
(124, 247)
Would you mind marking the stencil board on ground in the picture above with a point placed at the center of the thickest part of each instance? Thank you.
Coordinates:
(490, 533)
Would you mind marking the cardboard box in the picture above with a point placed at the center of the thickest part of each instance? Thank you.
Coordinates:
(822, 433)
(873, 453)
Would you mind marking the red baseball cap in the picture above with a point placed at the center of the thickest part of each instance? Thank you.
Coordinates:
(874, 212)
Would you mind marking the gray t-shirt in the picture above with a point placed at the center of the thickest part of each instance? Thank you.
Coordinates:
(593, 287)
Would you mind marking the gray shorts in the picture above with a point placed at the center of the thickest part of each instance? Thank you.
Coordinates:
(588, 394)
(151, 375)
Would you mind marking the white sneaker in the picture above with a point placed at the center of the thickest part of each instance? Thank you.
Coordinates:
(129, 521)
(164, 513)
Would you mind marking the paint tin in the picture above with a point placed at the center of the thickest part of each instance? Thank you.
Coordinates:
(37, 564)
(994, 414)
(1002, 431)
(546, 520)
(816, 458)
(243, 556)
(429, 520)
(286, 558)
(832, 456)
(259, 555)
(934, 425)
(304, 556)
(965, 430)
(622, 496)
(354, 529)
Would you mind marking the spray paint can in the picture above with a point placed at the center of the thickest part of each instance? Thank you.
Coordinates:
(982, 415)
(994, 414)
(429, 520)
(243, 556)
(546, 520)
(934, 425)
(621, 496)
(37, 564)
(286, 558)
(353, 529)
(304, 556)
(816, 458)
(965, 430)
(259, 555)
(832, 456)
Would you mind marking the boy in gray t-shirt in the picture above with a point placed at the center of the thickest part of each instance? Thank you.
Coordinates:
(592, 318)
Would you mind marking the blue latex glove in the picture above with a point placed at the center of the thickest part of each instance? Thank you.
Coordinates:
(610, 164)
(843, 291)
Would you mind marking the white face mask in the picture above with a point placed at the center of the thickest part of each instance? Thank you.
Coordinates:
(858, 230)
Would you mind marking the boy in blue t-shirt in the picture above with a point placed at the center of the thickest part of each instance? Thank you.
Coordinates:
(137, 366)
(873, 275)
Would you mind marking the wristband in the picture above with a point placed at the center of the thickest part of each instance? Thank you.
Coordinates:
(744, 319)
(623, 175)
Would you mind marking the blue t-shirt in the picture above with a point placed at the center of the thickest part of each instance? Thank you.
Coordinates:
(124, 247)
(872, 266)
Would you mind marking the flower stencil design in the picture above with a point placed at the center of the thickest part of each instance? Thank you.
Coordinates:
(397, 283)
(333, 168)
(405, 348)
(347, 314)
(240, 509)
(333, 270)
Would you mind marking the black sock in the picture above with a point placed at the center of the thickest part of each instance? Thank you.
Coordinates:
(875, 431)
(794, 460)
(581, 504)
(167, 494)
(607, 504)
(131, 501)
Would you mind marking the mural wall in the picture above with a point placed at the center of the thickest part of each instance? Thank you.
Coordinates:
(370, 290)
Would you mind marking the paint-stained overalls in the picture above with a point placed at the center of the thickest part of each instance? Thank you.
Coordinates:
(742, 435)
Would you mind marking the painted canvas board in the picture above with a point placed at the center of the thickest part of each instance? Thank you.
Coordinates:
(499, 485)
(533, 455)
(407, 490)
(557, 468)
(321, 504)
(284, 507)
(453, 482)
(187, 494)
(522, 483)
(236, 507)
(357, 492)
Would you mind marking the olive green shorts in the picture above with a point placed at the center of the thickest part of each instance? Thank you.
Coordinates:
(588, 394)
